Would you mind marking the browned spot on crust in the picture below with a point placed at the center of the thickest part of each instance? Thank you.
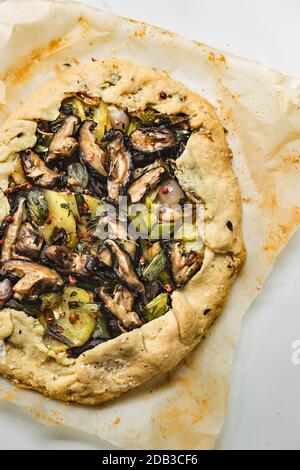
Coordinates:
(164, 32)
(117, 421)
(294, 159)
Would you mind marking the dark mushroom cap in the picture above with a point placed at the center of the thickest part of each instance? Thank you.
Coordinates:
(120, 167)
(92, 154)
(150, 143)
(120, 304)
(182, 265)
(68, 261)
(12, 230)
(63, 143)
(29, 242)
(34, 278)
(123, 267)
(145, 183)
(37, 171)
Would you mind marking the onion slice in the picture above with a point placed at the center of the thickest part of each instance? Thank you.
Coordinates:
(118, 118)
(170, 193)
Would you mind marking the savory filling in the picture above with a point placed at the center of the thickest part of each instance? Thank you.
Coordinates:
(74, 255)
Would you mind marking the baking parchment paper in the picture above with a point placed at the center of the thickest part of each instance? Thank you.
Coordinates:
(260, 109)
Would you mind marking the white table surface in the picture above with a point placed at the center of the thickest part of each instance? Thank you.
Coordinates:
(264, 408)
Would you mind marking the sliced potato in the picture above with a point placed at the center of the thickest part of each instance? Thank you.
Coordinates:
(77, 324)
(71, 201)
(60, 216)
(92, 202)
(54, 345)
(50, 342)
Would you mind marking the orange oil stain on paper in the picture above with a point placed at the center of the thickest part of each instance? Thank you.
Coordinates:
(18, 75)
(55, 419)
(217, 59)
(279, 236)
(177, 421)
(227, 114)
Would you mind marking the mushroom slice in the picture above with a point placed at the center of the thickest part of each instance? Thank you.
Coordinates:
(34, 278)
(104, 256)
(120, 304)
(148, 181)
(151, 142)
(12, 231)
(118, 231)
(67, 261)
(29, 242)
(88, 100)
(91, 152)
(123, 267)
(37, 171)
(120, 169)
(115, 230)
(63, 143)
(183, 265)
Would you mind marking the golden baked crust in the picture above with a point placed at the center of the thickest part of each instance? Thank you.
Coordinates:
(204, 171)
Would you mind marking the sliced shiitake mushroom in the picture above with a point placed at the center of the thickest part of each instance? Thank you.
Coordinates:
(182, 264)
(123, 267)
(88, 100)
(63, 143)
(78, 177)
(67, 261)
(29, 242)
(120, 304)
(34, 278)
(150, 143)
(12, 230)
(117, 230)
(148, 181)
(92, 154)
(104, 256)
(120, 167)
(37, 171)
(109, 227)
